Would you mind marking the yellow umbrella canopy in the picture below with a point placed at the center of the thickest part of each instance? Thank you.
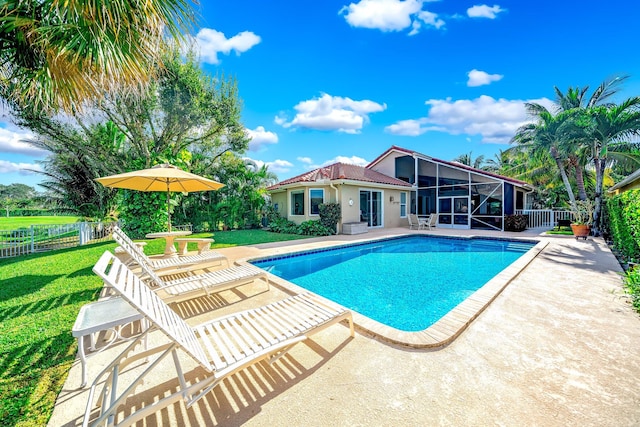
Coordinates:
(162, 177)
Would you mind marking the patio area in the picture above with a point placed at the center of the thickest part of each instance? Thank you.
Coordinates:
(559, 346)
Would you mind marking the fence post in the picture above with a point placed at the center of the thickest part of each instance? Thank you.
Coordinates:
(83, 231)
(33, 240)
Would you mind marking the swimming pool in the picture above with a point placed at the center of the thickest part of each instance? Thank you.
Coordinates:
(407, 283)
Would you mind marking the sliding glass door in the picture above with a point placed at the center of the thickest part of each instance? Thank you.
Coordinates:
(371, 207)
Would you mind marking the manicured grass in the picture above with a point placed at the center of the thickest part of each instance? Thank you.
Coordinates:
(564, 231)
(14, 223)
(40, 296)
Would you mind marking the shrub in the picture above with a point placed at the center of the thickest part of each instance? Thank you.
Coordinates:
(515, 222)
(315, 228)
(624, 222)
(283, 225)
(330, 215)
(632, 282)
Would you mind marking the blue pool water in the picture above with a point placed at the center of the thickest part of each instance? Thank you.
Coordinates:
(407, 283)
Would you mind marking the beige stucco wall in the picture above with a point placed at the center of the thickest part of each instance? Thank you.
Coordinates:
(345, 192)
(284, 207)
(387, 165)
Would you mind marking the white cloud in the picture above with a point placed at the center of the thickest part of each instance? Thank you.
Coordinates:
(480, 78)
(390, 15)
(259, 137)
(12, 141)
(21, 168)
(210, 42)
(279, 166)
(353, 160)
(407, 127)
(276, 166)
(484, 11)
(332, 113)
(306, 160)
(495, 120)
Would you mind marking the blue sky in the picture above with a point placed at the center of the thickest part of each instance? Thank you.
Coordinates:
(326, 81)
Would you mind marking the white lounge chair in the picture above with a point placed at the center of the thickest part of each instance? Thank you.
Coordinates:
(194, 285)
(221, 347)
(182, 262)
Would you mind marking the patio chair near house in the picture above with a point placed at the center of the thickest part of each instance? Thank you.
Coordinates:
(221, 347)
(431, 221)
(416, 221)
(182, 262)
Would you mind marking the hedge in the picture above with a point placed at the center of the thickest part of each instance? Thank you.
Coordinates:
(624, 223)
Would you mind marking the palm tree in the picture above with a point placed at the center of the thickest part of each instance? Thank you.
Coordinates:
(575, 100)
(546, 137)
(613, 132)
(61, 54)
(468, 160)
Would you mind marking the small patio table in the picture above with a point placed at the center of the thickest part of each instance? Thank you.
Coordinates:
(169, 236)
(104, 315)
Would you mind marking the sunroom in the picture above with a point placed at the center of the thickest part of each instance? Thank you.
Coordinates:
(461, 196)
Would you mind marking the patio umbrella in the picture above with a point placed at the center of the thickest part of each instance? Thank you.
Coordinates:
(162, 177)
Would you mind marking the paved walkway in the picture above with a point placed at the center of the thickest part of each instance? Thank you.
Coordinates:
(560, 346)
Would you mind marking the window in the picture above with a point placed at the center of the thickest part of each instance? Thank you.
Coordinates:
(317, 198)
(403, 205)
(297, 203)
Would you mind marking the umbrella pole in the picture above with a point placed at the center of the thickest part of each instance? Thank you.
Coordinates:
(168, 210)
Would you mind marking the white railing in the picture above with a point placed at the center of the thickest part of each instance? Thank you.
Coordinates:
(544, 217)
(42, 238)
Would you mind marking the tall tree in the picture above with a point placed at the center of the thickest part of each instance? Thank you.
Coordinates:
(544, 137)
(59, 54)
(184, 118)
(468, 160)
(613, 134)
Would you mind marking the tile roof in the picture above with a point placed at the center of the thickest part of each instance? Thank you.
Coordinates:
(342, 171)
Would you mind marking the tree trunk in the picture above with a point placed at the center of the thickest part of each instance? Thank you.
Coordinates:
(565, 179)
(600, 167)
(582, 194)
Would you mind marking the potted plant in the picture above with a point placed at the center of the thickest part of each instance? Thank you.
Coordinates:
(582, 218)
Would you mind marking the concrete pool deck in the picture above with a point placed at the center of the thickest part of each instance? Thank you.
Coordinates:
(559, 346)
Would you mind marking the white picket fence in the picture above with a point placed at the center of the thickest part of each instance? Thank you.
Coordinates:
(42, 238)
(539, 218)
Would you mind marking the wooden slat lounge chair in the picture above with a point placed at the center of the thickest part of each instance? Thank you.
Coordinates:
(182, 262)
(195, 285)
(221, 346)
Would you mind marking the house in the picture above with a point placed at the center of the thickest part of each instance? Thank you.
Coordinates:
(399, 182)
(364, 195)
(632, 182)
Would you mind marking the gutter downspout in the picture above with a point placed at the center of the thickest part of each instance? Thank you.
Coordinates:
(337, 201)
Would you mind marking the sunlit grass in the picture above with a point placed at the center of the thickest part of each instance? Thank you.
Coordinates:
(14, 223)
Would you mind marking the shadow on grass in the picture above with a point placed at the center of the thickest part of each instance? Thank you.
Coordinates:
(41, 306)
(31, 377)
(35, 256)
(24, 285)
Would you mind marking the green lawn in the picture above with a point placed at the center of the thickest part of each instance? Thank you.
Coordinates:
(13, 223)
(40, 296)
